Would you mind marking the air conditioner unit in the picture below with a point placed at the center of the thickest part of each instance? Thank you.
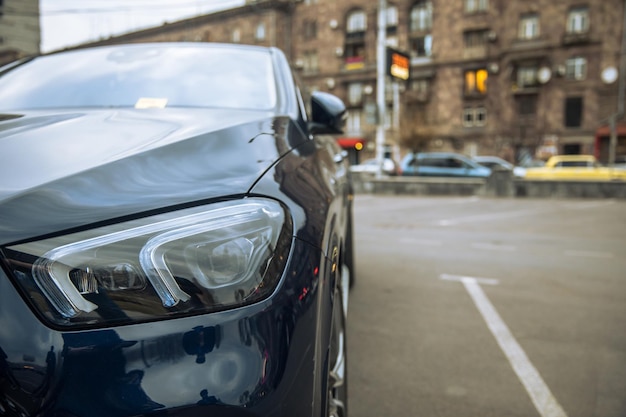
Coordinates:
(492, 36)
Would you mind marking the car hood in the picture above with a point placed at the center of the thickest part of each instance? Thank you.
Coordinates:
(66, 169)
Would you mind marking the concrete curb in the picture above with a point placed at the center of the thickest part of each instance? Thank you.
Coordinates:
(500, 184)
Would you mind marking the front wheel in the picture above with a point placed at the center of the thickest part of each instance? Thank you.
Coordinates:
(337, 396)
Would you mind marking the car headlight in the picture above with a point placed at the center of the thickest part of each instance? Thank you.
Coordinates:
(185, 262)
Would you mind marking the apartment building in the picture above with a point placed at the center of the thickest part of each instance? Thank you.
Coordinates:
(500, 77)
(20, 34)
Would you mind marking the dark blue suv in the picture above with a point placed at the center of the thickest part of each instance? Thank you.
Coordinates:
(442, 164)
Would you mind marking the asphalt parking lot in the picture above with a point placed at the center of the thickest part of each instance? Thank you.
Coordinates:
(468, 306)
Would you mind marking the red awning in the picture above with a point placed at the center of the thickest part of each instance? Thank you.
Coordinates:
(349, 142)
(606, 130)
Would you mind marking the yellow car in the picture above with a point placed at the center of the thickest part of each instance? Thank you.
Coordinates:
(575, 168)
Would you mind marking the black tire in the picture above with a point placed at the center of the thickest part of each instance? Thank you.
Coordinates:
(337, 382)
(348, 252)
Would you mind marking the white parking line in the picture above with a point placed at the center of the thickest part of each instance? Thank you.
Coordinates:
(421, 242)
(494, 247)
(460, 278)
(490, 217)
(591, 205)
(539, 393)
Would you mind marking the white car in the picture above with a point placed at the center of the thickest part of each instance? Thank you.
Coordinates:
(495, 162)
(370, 166)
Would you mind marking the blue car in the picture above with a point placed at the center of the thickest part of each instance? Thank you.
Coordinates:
(175, 236)
(442, 164)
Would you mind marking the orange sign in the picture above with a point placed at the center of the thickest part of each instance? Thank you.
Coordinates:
(399, 64)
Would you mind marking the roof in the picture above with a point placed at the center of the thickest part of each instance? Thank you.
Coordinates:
(573, 158)
(556, 159)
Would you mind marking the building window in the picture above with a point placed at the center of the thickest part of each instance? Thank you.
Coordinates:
(392, 26)
(473, 6)
(260, 32)
(392, 17)
(421, 17)
(421, 42)
(357, 22)
(420, 85)
(526, 76)
(310, 29)
(573, 111)
(529, 27)
(309, 2)
(355, 55)
(468, 117)
(422, 46)
(474, 117)
(475, 38)
(527, 105)
(578, 20)
(480, 116)
(418, 91)
(236, 36)
(355, 93)
(576, 68)
(476, 81)
(311, 62)
(353, 121)
(354, 50)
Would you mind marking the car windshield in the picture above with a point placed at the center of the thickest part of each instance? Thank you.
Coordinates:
(574, 164)
(143, 76)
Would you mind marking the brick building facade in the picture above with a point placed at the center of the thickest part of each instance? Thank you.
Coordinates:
(508, 78)
(20, 34)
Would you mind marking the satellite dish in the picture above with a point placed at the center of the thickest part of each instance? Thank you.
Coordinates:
(609, 75)
(544, 75)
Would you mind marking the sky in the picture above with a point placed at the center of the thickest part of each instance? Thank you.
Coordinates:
(72, 22)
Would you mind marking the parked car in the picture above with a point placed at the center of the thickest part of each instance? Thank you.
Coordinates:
(370, 166)
(495, 162)
(442, 164)
(575, 168)
(175, 237)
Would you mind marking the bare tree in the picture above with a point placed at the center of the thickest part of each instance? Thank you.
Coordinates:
(417, 129)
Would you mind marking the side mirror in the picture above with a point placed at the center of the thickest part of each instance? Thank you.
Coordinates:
(328, 114)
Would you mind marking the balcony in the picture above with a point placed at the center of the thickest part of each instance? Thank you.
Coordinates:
(475, 52)
(525, 89)
(354, 63)
(575, 38)
(535, 46)
(416, 97)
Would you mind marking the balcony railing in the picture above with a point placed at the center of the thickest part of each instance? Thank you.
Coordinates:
(575, 38)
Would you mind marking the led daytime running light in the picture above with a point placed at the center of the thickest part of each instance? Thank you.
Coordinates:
(52, 271)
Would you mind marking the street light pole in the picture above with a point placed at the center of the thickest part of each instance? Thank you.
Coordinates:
(620, 94)
(380, 84)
